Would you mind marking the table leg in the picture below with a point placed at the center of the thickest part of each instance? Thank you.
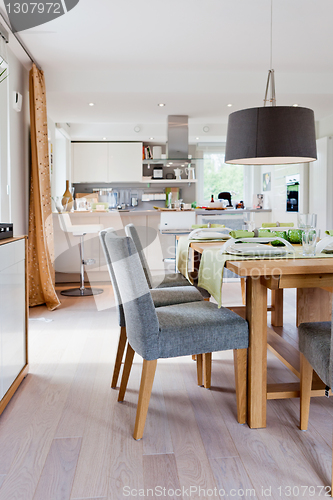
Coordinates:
(277, 303)
(313, 304)
(256, 315)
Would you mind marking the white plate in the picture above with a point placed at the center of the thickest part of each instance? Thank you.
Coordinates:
(211, 235)
(255, 249)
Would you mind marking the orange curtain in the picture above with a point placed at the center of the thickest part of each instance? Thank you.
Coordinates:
(40, 242)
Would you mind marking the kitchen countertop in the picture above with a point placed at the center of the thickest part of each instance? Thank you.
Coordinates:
(137, 211)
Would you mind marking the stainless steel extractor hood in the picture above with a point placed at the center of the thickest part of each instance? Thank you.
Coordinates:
(178, 137)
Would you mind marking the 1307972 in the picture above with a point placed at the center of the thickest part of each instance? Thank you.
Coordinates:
(34, 8)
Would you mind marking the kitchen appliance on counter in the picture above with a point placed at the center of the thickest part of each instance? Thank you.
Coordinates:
(158, 172)
(6, 230)
(224, 195)
(190, 172)
(292, 183)
(178, 172)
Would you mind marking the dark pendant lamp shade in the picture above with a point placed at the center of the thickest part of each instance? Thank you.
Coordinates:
(271, 135)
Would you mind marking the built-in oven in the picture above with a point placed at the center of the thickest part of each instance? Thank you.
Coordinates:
(292, 186)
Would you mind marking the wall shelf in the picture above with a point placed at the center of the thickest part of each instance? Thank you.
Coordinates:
(168, 181)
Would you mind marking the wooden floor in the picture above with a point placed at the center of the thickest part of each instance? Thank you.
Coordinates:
(64, 436)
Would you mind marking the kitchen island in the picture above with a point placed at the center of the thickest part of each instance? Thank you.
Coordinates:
(157, 246)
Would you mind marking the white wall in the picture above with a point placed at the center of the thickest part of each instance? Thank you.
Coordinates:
(19, 151)
(276, 198)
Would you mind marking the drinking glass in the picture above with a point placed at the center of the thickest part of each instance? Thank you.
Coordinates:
(309, 241)
(307, 221)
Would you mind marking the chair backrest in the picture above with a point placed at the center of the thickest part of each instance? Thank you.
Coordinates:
(131, 232)
(177, 220)
(142, 325)
(102, 235)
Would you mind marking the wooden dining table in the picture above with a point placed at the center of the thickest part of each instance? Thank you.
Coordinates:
(313, 279)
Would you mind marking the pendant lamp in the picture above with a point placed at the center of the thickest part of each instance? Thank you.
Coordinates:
(271, 135)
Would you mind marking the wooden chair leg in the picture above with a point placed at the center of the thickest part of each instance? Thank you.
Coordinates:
(119, 357)
(147, 380)
(243, 287)
(207, 369)
(199, 369)
(240, 365)
(194, 357)
(306, 384)
(126, 372)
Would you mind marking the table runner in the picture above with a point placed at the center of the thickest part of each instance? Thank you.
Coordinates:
(212, 265)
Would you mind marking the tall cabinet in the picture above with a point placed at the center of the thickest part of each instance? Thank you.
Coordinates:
(14, 316)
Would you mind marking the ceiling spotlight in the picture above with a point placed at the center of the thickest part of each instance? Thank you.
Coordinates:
(206, 128)
(104, 138)
(161, 104)
(91, 104)
(151, 138)
(137, 128)
(295, 105)
(197, 138)
(229, 105)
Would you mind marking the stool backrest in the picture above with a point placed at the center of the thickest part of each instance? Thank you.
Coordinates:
(102, 235)
(142, 325)
(65, 222)
(131, 231)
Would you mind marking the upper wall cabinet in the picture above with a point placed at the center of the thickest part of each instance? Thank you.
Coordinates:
(106, 162)
(125, 162)
(90, 162)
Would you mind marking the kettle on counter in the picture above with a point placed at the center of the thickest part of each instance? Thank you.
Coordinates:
(190, 172)
(178, 172)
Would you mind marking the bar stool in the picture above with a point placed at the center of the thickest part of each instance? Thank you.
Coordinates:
(80, 230)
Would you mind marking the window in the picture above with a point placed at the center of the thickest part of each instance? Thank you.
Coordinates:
(217, 176)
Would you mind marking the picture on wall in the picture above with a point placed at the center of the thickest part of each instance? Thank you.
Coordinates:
(266, 181)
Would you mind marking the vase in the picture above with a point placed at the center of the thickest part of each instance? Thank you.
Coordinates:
(67, 199)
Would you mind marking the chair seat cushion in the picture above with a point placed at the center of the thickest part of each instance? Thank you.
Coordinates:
(196, 328)
(176, 279)
(315, 344)
(175, 295)
(169, 280)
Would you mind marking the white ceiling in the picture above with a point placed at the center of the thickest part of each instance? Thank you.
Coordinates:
(196, 56)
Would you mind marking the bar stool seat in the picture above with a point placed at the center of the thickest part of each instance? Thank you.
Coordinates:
(80, 230)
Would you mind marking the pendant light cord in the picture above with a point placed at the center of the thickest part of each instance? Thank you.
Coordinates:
(270, 78)
(271, 54)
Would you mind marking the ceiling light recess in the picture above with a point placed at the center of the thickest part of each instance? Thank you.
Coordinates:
(91, 104)
(161, 104)
(272, 135)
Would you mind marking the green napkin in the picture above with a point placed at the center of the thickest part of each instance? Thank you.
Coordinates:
(274, 224)
(264, 232)
(203, 226)
(330, 232)
(241, 234)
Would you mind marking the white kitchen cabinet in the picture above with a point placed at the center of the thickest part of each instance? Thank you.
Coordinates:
(125, 162)
(13, 325)
(89, 162)
(106, 162)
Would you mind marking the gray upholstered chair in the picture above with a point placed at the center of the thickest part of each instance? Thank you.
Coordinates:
(316, 348)
(159, 281)
(161, 297)
(171, 331)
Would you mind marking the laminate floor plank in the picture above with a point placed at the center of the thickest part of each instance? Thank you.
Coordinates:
(215, 435)
(91, 478)
(161, 476)
(190, 455)
(2, 478)
(232, 478)
(126, 459)
(75, 414)
(58, 473)
(25, 470)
